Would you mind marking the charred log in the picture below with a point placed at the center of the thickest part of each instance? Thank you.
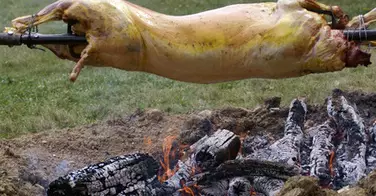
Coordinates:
(284, 151)
(371, 150)
(207, 153)
(252, 144)
(305, 153)
(287, 149)
(210, 151)
(268, 186)
(247, 168)
(124, 175)
(351, 151)
(239, 187)
(183, 174)
(322, 154)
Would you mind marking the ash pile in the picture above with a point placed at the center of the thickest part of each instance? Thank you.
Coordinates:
(331, 157)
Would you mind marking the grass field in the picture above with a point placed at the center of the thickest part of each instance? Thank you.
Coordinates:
(35, 93)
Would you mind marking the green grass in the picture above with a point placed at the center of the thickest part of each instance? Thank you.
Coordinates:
(35, 93)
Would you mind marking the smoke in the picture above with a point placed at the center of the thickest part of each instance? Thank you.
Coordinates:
(38, 175)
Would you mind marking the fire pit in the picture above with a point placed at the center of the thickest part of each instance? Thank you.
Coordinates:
(329, 157)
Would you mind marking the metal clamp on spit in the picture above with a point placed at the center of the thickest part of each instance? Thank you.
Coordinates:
(32, 38)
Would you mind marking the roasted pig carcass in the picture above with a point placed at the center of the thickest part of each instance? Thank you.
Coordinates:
(288, 38)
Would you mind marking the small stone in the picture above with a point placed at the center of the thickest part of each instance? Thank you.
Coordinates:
(154, 115)
(206, 114)
(44, 142)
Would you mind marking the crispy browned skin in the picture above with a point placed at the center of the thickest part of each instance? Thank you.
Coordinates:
(261, 40)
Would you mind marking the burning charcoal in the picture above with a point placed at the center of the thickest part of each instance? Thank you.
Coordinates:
(287, 149)
(124, 175)
(253, 143)
(239, 187)
(350, 154)
(268, 186)
(182, 175)
(210, 151)
(322, 153)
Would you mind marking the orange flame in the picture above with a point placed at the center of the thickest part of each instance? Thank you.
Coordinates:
(167, 146)
(187, 190)
(242, 136)
(331, 163)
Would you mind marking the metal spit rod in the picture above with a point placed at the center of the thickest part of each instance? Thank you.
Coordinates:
(69, 39)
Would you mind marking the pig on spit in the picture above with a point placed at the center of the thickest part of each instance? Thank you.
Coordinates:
(287, 38)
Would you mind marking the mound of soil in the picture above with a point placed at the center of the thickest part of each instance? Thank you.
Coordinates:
(29, 163)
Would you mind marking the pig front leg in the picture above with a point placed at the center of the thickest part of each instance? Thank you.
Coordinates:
(52, 12)
(71, 12)
(362, 21)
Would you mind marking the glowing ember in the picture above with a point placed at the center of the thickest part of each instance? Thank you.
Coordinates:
(186, 190)
(331, 163)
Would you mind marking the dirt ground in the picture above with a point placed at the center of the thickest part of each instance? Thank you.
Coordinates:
(29, 163)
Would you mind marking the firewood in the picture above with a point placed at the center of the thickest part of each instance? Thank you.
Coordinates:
(322, 153)
(371, 150)
(351, 151)
(238, 186)
(208, 152)
(287, 149)
(284, 151)
(247, 168)
(123, 175)
(252, 144)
